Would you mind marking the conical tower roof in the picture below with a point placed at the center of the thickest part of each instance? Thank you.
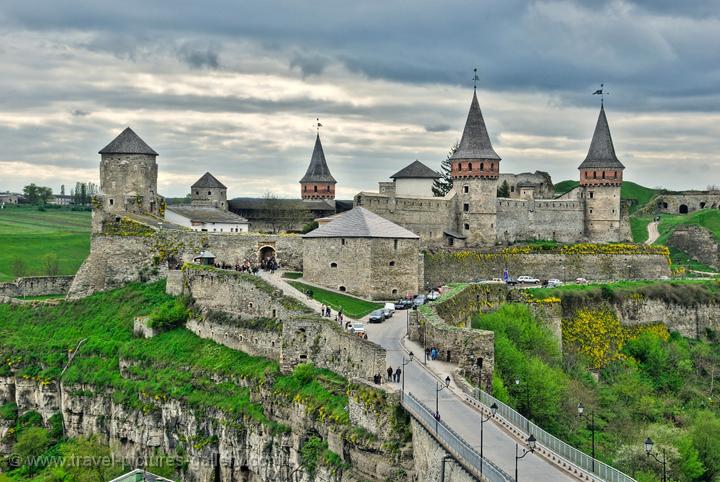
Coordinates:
(318, 170)
(128, 143)
(475, 142)
(602, 151)
(209, 181)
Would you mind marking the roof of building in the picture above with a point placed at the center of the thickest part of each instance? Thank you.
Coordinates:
(602, 151)
(454, 234)
(318, 170)
(139, 475)
(260, 203)
(360, 223)
(204, 214)
(128, 143)
(208, 181)
(475, 141)
(416, 170)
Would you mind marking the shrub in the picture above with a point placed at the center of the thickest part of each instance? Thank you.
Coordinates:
(170, 315)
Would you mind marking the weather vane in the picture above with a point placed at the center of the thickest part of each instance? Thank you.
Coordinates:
(475, 79)
(318, 125)
(601, 92)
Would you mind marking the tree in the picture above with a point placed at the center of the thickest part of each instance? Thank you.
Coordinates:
(31, 443)
(62, 189)
(51, 265)
(504, 189)
(96, 461)
(272, 210)
(17, 267)
(444, 183)
(37, 194)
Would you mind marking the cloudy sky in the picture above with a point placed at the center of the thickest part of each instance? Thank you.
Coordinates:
(234, 87)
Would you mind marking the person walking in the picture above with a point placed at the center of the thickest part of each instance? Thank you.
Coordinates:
(390, 373)
(323, 311)
(398, 372)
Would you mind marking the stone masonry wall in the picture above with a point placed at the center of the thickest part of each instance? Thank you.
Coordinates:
(698, 242)
(117, 260)
(433, 461)
(692, 321)
(545, 219)
(36, 286)
(444, 267)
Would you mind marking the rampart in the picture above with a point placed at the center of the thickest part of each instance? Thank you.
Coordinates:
(698, 242)
(243, 312)
(36, 286)
(592, 262)
(115, 260)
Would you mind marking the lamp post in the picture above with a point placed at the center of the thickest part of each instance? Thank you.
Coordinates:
(581, 413)
(439, 388)
(480, 367)
(564, 277)
(531, 448)
(527, 402)
(404, 362)
(493, 411)
(648, 452)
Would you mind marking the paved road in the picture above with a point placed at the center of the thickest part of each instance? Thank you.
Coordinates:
(653, 232)
(499, 446)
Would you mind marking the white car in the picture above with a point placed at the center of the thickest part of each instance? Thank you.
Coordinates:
(581, 281)
(433, 295)
(554, 282)
(356, 328)
(528, 279)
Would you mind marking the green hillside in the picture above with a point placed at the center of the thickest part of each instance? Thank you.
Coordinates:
(707, 218)
(630, 191)
(30, 235)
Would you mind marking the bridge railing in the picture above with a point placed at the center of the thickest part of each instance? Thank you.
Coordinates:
(467, 456)
(593, 466)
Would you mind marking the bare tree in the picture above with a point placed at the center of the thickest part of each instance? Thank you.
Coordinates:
(17, 267)
(272, 210)
(51, 265)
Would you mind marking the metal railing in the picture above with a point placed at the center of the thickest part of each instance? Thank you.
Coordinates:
(599, 469)
(453, 443)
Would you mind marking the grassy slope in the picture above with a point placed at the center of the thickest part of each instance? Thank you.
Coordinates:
(707, 218)
(545, 293)
(353, 307)
(31, 235)
(638, 227)
(630, 191)
(176, 364)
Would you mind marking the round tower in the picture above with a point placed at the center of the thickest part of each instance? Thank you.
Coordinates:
(601, 175)
(318, 183)
(128, 175)
(475, 168)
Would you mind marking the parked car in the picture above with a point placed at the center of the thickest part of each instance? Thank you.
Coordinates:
(664, 277)
(551, 283)
(581, 281)
(357, 328)
(403, 304)
(511, 281)
(377, 316)
(496, 280)
(419, 301)
(433, 295)
(389, 309)
(528, 280)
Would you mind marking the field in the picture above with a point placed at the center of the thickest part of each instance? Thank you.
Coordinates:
(30, 235)
(352, 307)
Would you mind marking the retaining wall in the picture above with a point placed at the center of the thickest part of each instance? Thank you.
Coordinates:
(36, 286)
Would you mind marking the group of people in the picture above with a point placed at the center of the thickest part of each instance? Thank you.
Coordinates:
(432, 353)
(269, 264)
(245, 267)
(392, 376)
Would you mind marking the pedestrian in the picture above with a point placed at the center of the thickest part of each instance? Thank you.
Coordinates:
(322, 311)
(329, 312)
(398, 372)
(390, 373)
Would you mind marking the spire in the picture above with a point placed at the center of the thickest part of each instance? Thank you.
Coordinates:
(128, 143)
(475, 142)
(318, 170)
(602, 151)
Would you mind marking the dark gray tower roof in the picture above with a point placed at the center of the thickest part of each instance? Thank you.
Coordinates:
(360, 223)
(475, 142)
(416, 170)
(128, 143)
(602, 151)
(209, 181)
(318, 170)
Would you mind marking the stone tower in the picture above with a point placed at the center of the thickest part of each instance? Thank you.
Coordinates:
(475, 168)
(601, 175)
(208, 191)
(128, 175)
(318, 183)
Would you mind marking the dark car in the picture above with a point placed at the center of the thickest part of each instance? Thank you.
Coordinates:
(377, 316)
(403, 304)
(511, 281)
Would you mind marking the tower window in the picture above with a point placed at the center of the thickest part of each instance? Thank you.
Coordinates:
(197, 193)
(392, 263)
(333, 265)
(328, 189)
(594, 175)
(395, 244)
(492, 166)
(112, 201)
(460, 166)
(591, 194)
(603, 174)
(467, 226)
(209, 193)
(466, 189)
(482, 166)
(342, 241)
(305, 188)
(314, 188)
(470, 166)
(466, 207)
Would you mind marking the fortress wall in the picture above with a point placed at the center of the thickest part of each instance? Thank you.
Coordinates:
(463, 266)
(117, 260)
(692, 321)
(36, 286)
(693, 200)
(698, 242)
(524, 220)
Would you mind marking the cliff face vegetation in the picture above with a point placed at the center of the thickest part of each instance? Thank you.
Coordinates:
(72, 374)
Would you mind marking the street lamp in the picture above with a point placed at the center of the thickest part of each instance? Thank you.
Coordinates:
(480, 367)
(403, 373)
(648, 452)
(581, 413)
(493, 411)
(439, 388)
(527, 402)
(531, 448)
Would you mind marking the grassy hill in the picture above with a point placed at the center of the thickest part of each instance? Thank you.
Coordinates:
(31, 235)
(630, 191)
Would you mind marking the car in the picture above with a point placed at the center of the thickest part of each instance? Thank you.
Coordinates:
(357, 328)
(495, 280)
(581, 281)
(419, 301)
(389, 309)
(403, 304)
(377, 316)
(433, 295)
(528, 280)
(664, 277)
(553, 282)
(511, 281)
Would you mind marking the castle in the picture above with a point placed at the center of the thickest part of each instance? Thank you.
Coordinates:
(473, 214)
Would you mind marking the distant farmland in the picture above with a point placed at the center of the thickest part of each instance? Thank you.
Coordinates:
(30, 235)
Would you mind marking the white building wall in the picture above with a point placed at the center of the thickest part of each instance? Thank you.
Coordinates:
(175, 218)
(414, 187)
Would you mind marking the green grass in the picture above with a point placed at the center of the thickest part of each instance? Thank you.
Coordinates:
(35, 343)
(30, 235)
(544, 293)
(707, 218)
(681, 258)
(638, 227)
(292, 274)
(42, 297)
(351, 306)
(566, 186)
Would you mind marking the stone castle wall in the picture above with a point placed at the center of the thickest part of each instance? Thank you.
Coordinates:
(540, 219)
(691, 321)
(433, 461)
(698, 242)
(128, 182)
(544, 187)
(463, 266)
(691, 200)
(36, 286)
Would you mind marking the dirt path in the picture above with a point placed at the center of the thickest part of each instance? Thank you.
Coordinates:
(653, 232)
